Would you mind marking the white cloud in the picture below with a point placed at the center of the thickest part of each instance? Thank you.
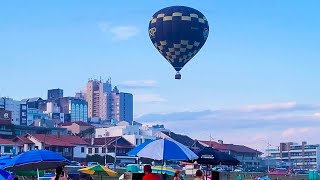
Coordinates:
(295, 132)
(272, 106)
(148, 98)
(123, 32)
(139, 84)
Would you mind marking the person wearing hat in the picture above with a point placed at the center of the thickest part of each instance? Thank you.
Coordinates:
(148, 174)
(177, 175)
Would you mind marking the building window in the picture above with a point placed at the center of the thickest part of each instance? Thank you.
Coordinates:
(90, 150)
(82, 149)
(7, 149)
(103, 150)
(96, 150)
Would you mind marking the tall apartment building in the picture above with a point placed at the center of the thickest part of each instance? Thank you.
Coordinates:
(108, 104)
(301, 156)
(95, 92)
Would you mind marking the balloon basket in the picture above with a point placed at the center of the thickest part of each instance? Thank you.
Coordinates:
(178, 76)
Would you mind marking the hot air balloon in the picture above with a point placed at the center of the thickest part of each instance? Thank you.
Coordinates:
(178, 33)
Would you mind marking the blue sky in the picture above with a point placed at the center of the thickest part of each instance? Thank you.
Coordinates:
(258, 52)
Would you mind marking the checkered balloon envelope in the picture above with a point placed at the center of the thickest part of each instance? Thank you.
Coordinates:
(178, 33)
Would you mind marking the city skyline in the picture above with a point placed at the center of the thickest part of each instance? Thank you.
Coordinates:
(257, 71)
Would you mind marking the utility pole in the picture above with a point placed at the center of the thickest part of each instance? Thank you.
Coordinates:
(105, 146)
(268, 157)
(115, 153)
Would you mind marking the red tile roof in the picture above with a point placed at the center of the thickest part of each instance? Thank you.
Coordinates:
(63, 140)
(22, 140)
(110, 141)
(80, 123)
(230, 147)
(6, 142)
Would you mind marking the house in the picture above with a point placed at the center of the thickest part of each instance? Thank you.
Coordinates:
(247, 156)
(183, 139)
(76, 128)
(108, 145)
(71, 147)
(25, 143)
(8, 147)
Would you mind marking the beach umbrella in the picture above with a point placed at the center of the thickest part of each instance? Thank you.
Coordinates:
(211, 156)
(4, 160)
(36, 160)
(163, 149)
(5, 175)
(98, 170)
(163, 170)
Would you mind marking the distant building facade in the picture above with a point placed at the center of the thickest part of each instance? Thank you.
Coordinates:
(55, 94)
(13, 106)
(74, 109)
(32, 109)
(301, 156)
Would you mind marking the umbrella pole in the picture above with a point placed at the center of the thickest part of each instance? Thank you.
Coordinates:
(162, 166)
(207, 172)
(38, 174)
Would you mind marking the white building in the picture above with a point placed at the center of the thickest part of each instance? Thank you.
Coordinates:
(13, 106)
(136, 134)
(301, 156)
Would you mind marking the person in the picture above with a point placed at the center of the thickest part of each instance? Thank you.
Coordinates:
(148, 174)
(60, 175)
(176, 175)
(198, 175)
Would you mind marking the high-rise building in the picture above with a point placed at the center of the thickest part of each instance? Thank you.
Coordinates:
(117, 106)
(54, 94)
(125, 107)
(95, 91)
(107, 104)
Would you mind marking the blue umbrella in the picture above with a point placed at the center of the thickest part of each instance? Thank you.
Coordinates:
(36, 160)
(6, 175)
(163, 149)
(4, 160)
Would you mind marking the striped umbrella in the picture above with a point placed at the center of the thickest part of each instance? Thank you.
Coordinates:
(99, 170)
(163, 149)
